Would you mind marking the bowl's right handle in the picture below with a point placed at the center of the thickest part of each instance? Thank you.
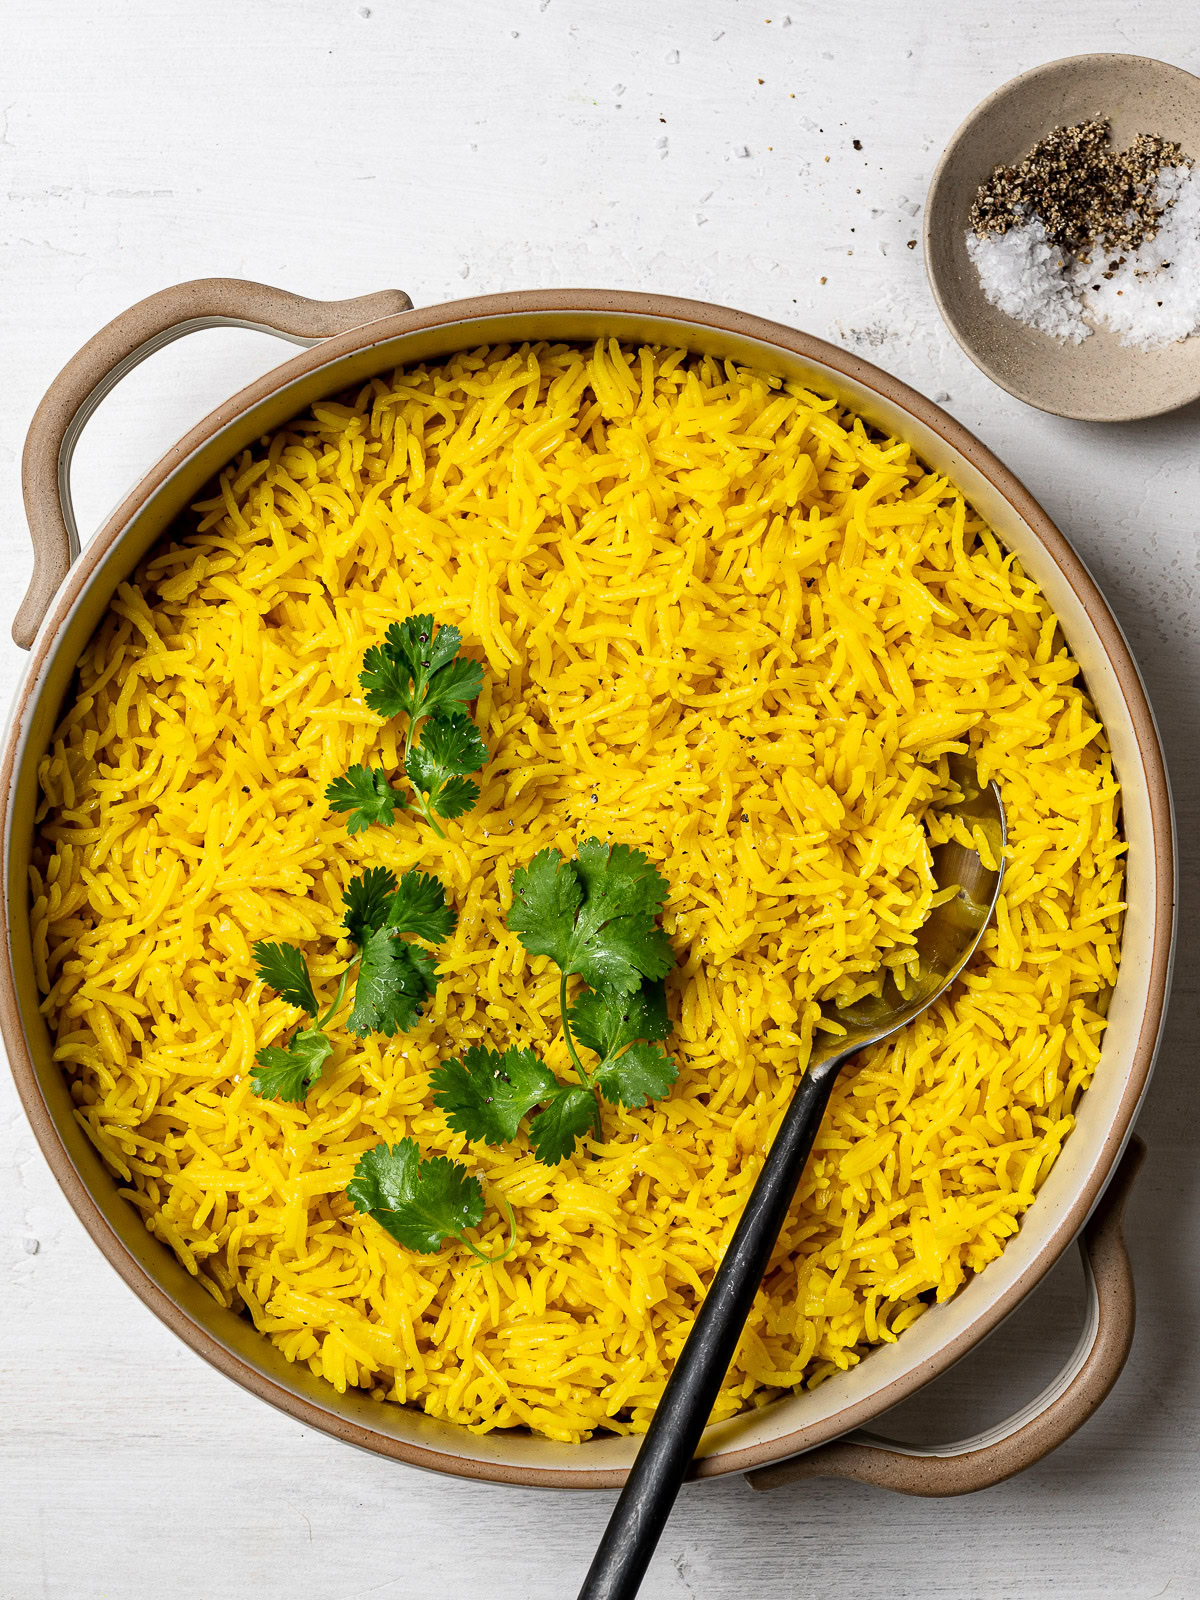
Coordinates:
(116, 350)
(1042, 1426)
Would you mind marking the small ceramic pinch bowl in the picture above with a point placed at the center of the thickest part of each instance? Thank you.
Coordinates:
(1100, 379)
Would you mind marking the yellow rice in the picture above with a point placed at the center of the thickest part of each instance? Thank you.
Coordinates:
(720, 621)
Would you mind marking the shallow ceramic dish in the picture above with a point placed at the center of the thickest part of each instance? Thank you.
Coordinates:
(69, 596)
(1099, 380)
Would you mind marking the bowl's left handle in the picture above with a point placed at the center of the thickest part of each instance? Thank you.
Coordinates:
(116, 350)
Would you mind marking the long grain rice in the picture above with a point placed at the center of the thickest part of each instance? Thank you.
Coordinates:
(720, 621)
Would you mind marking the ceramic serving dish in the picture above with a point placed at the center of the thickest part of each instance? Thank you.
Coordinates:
(351, 341)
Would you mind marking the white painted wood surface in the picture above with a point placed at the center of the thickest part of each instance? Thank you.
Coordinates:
(450, 148)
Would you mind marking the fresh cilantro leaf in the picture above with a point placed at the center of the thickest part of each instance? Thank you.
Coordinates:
(367, 899)
(608, 1021)
(420, 1203)
(644, 1072)
(450, 747)
(393, 981)
(453, 686)
(546, 897)
(289, 1073)
(594, 916)
(283, 968)
(419, 907)
(414, 670)
(454, 798)
(444, 642)
(385, 1176)
(620, 881)
(388, 683)
(426, 964)
(570, 1115)
(367, 795)
(485, 1095)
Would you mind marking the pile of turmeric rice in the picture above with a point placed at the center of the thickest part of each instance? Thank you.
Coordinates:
(720, 620)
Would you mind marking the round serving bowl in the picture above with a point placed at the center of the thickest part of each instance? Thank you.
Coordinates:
(71, 592)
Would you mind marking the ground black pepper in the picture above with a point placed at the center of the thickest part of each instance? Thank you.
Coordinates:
(1087, 193)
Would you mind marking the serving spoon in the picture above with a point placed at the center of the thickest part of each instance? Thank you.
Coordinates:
(945, 943)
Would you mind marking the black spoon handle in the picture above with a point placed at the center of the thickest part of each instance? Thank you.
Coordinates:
(670, 1442)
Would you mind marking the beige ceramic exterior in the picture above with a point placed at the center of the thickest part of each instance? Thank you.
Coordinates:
(1099, 380)
(1091, 1156)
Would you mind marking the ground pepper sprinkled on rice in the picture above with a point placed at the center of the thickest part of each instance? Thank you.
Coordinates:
(721, 622)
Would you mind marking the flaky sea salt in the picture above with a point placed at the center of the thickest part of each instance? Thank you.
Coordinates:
(1153, 298)
(1149, 296)
(1022, 274)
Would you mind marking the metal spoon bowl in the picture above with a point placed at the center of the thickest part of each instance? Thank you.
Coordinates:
(946, 942)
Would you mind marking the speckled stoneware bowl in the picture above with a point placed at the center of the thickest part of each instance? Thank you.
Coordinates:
(1081, 1198)
(1099, 380)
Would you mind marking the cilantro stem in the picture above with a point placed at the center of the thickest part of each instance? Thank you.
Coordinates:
(482, 1258)
(422, 801)
(584, 1076)
(328, 1015)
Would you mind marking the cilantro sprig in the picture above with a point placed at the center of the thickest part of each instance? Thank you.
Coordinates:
(596, 917)
(422, 1203)
(623, 1030)
(451, 748)
(417, 672)
(395, 975)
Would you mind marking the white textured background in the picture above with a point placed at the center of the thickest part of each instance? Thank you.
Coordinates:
(449, 148)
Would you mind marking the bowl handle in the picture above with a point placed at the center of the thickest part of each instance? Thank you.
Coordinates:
(116, 350)
(1040, 1427)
